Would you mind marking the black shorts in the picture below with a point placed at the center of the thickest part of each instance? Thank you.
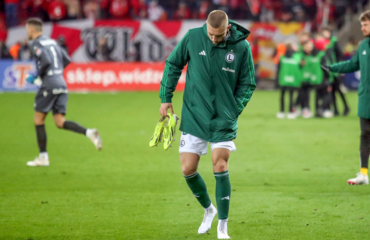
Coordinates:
(51, 99)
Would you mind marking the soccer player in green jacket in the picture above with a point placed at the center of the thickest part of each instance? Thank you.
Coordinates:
(361, 61)
(219, 84)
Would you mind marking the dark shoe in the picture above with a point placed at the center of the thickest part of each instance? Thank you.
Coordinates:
(346, 112)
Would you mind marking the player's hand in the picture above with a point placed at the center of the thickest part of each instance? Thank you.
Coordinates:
(164, 108)
(31, 77)
(325, 68)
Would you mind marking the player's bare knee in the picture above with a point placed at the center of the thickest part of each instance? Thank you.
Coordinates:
(38, 121)
(220, 165)
(188, 170)
(59, 123)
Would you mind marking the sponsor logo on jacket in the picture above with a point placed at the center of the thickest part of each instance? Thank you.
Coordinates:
(228, 70)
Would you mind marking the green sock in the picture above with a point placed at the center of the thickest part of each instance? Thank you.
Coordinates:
(223, 192)
(199, 189)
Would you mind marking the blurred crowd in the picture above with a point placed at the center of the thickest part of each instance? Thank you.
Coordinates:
(302, 68)
(15, 12)
(318, 12)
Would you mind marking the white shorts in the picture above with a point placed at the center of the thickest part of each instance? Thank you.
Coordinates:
(193, 144)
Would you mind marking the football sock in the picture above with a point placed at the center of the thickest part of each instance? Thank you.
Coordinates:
(41, 137)
(44, 155)
(74, 127)
(364, 171)
(223, 192)
(199, 189)
(88, 132)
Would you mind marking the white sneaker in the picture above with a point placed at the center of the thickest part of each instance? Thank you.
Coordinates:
(222, 229)
(38, 162)
(209, 214)
(95, 138)
(327, 114)
(280, 115)
(297, 112)
(291, 116)
(306, 113)
(359, 180)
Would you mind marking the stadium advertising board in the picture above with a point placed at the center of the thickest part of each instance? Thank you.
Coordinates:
(91, 77)
(117, 77)
(13, 76)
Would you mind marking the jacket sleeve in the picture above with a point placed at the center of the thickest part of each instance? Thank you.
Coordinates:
(173, 69)
(246, 83)
(349, 66)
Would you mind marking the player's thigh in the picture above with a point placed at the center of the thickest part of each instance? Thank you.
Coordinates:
(60, 104)
(221, 153)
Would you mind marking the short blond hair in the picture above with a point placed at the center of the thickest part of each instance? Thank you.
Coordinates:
(217, 19)
(36, 23)
(365, 16)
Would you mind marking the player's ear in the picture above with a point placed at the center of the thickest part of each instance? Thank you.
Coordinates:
(228, 27)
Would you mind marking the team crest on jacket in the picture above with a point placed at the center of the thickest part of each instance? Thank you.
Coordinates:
(230, 57)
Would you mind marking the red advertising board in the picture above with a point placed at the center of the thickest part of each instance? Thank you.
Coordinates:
(117, 77)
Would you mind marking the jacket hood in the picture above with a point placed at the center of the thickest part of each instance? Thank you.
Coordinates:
(237, 32)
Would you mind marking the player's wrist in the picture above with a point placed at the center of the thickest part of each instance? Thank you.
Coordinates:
(166, 100)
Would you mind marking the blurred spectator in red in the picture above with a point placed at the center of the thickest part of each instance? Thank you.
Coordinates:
(321, 42)
(91, 10)
(11, 12)
(40, 9)
(120, 9)
(3, 28)
(14, 50)
(4, 52)
(310, 8)
(182, 12)
(140, 9)
(73, 9)
(57, 10)
(156, 12)
(325, 13)
(104, 8)
(204, 9)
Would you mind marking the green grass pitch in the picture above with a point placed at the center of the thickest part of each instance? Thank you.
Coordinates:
(288, 177)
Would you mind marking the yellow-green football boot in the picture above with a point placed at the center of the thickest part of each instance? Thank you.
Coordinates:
(169, 130)
(157, 136)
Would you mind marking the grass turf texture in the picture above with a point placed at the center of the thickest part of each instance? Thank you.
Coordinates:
(288, 176)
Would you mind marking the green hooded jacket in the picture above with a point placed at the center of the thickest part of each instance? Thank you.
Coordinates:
(359, 61)
(219, 82)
